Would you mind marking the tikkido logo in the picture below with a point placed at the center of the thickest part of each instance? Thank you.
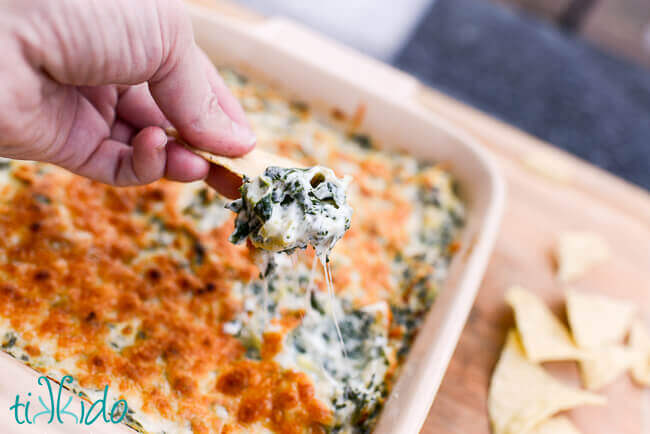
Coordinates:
(52, 411)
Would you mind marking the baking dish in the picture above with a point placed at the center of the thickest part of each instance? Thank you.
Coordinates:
(326, 75)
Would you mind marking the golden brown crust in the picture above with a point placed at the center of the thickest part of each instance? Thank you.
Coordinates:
(70, 289)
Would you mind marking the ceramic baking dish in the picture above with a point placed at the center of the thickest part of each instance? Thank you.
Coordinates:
(327, 75)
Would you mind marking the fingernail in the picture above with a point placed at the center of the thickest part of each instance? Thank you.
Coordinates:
(162, 141)
(244, 135)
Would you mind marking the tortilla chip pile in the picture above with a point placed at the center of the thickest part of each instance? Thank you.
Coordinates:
(523, 397)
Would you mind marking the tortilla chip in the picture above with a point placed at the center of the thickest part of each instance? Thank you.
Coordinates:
(600, 324)
(544, 336)
(640, 345)
(577, 252)
(556, 425)
(597, 320)
(607, 365)
(522, 394)
(252, 164)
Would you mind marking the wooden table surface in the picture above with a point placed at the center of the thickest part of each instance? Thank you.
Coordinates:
(538, 208)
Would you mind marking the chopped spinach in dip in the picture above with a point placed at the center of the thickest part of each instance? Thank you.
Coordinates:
(287, 209)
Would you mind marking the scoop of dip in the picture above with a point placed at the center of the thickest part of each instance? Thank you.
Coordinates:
(287, 209)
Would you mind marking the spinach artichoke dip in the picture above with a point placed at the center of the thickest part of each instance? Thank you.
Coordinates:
(140, 288)
(287, 209)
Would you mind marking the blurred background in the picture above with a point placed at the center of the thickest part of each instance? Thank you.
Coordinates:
(575, 73)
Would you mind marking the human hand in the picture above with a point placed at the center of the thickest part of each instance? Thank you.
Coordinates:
(89, 85)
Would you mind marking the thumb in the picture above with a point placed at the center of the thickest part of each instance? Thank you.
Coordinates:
(197, 102)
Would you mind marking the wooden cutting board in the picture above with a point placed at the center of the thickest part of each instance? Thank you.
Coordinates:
(569, 195)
